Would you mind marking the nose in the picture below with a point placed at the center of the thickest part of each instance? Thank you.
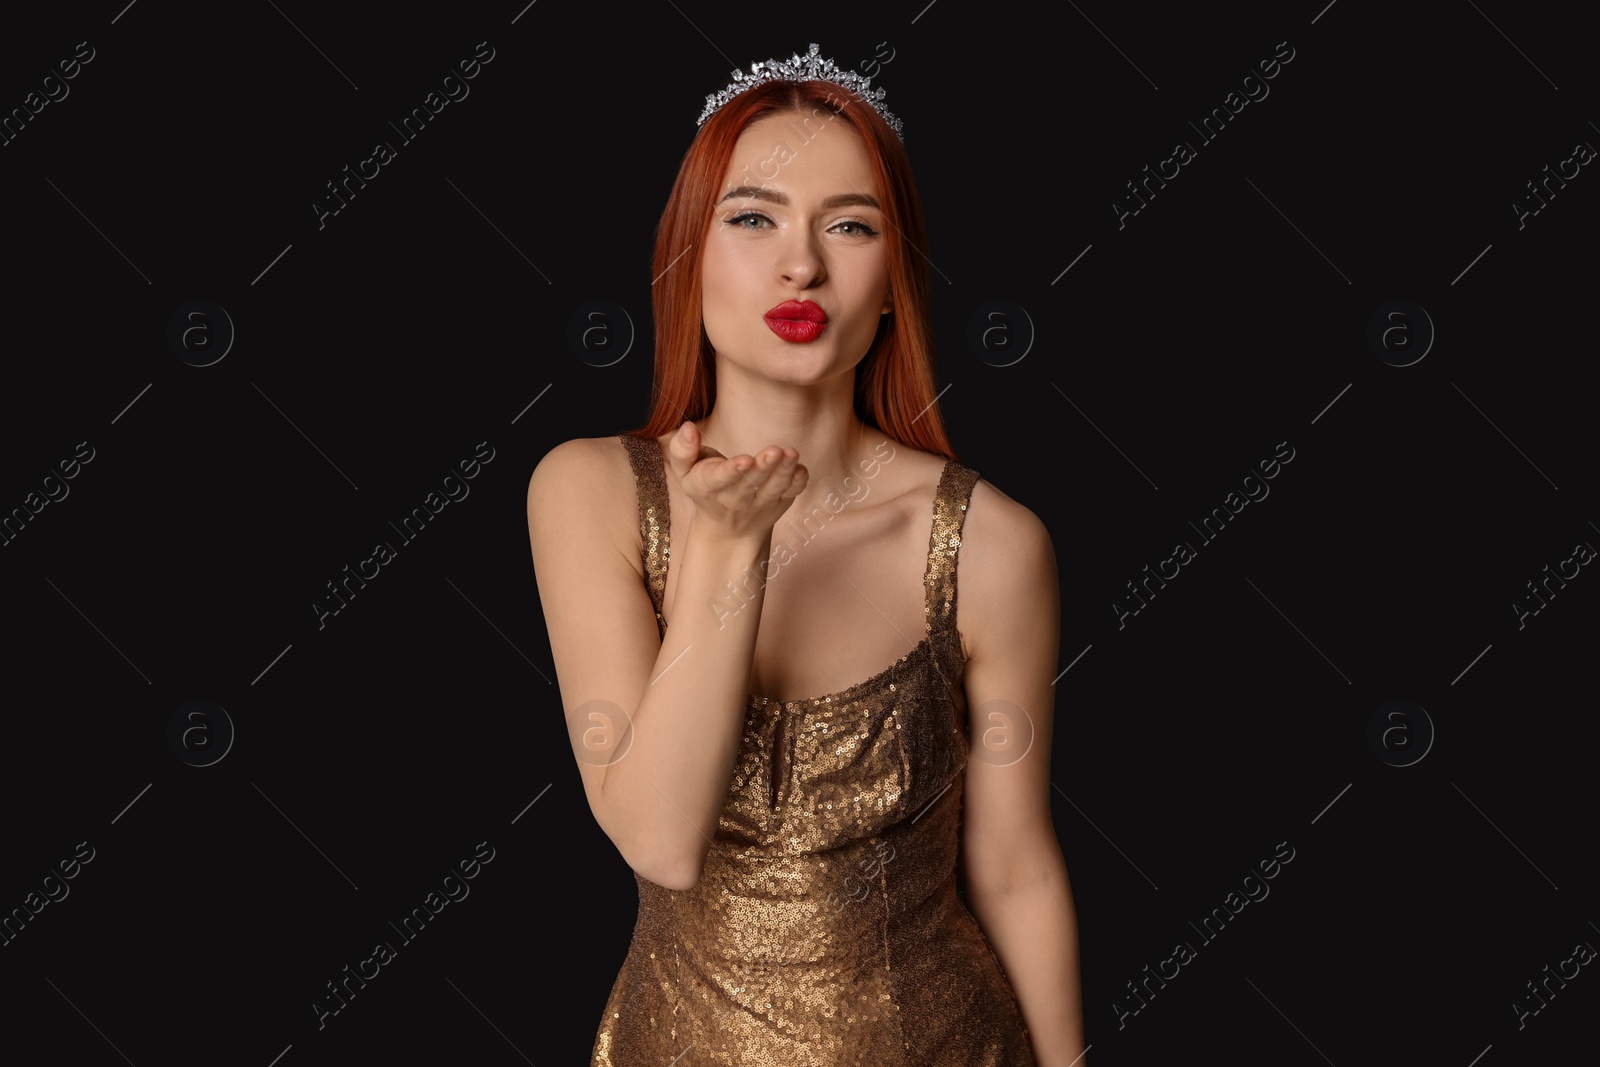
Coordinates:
(801, 263)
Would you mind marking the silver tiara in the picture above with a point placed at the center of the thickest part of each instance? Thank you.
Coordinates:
(797, 68)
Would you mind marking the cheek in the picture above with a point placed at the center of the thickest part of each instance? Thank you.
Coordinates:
(869, 271)
(871, 281)
(713, 279)
(724, 286)
(736, 273)
(725, 269)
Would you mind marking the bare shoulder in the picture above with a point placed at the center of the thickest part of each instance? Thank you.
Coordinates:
(585, 480)
(579, 463)
(997, 525)
(1007, 565)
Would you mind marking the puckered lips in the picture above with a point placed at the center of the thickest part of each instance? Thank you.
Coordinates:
(797, 321)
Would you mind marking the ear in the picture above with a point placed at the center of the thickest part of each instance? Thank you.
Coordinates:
(888, 302)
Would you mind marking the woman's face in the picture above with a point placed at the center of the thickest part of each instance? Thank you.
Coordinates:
(796, 220)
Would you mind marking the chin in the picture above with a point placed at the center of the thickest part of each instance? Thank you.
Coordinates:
(816, 359)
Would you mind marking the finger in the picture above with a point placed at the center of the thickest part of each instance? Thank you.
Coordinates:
(796, 484)
(722, 474)
(768, 467)
(763, 466)
(778, 469)
(683, 449)
(757, 476)
(785, 469)
(702, 448)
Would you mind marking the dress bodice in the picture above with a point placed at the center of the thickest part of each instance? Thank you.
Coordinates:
(825, 928)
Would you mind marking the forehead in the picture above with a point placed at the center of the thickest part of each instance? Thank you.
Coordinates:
(802, 152)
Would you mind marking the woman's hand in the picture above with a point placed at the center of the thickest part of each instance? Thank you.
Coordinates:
(740, 497)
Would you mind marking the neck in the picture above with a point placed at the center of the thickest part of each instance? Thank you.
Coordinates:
(818, 420)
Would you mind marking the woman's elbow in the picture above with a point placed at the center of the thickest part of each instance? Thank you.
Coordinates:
(676, 873)
(667, 861)
(671, 866)
(682, 880)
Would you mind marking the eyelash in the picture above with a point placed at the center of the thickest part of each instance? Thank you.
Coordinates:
(868, 231)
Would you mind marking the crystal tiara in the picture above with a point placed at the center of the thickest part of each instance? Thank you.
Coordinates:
(797, 68)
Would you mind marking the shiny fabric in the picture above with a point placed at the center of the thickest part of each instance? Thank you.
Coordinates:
(826, 928)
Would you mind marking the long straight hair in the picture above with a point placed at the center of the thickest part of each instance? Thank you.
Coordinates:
(894, 389)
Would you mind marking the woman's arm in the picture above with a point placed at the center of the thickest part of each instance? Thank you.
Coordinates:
(1009, 612)
(657, 793)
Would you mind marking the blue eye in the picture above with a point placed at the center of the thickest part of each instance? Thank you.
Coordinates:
(863, 228)
(759, 221)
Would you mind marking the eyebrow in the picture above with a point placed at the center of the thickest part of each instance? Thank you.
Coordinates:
(756, 192)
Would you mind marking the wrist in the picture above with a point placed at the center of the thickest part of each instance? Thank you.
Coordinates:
(753, 544)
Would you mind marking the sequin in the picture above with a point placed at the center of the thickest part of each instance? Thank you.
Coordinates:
(826, 928)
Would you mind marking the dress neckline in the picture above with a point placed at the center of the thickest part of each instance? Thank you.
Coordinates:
(845, 695)
(951, 496)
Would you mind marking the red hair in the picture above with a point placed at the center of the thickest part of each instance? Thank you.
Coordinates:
(894, 381)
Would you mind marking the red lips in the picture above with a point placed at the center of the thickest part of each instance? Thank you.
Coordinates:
(798, 310)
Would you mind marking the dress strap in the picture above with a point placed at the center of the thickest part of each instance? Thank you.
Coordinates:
(655, 514)
(949, 512)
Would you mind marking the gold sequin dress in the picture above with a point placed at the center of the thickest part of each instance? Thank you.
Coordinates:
(826, 928)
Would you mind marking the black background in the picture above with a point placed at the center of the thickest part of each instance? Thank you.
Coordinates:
(1180, 348)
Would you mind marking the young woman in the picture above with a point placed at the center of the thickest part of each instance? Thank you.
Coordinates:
(791, 520)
